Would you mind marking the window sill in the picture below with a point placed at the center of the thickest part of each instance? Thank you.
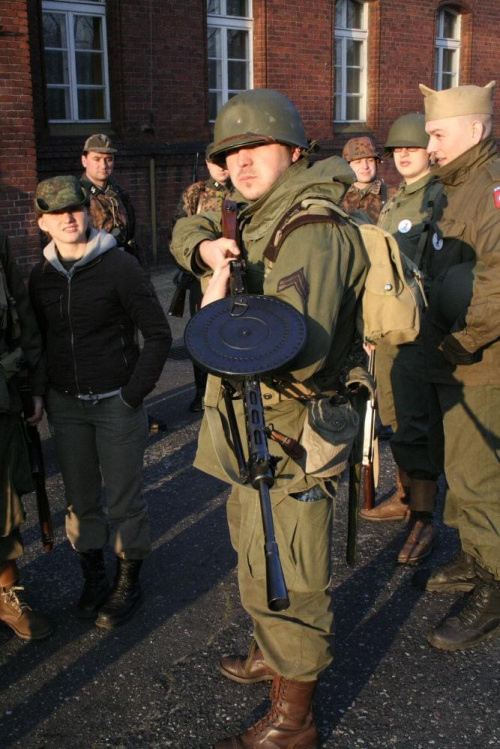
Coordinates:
(80, 128)
(351, 128)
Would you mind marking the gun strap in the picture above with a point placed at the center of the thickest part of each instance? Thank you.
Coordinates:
(215, 422)
(297, 216)
(229, 219)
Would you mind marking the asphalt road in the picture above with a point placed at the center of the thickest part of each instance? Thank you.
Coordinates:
(154, 682)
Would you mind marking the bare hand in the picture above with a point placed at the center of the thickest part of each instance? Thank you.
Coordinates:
(213, 252)
(37, 414)
(218, 285)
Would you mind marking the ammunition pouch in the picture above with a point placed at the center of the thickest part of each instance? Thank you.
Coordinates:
(330, 428)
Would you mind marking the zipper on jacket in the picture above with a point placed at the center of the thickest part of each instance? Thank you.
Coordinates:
(72, 337)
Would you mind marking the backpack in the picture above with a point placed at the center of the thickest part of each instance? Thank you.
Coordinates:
(393, 299)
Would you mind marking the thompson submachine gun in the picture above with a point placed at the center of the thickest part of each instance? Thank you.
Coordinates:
(241, 338)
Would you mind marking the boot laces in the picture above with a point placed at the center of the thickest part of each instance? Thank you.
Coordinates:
(11, 597)
(276, 695)
(476, 603)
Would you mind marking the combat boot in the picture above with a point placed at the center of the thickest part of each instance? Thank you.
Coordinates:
(456, 576)
(478, 621)
(16, 613)
(395, 507)
(125, 597)
(248, 669)
(288, 725)
(96, 587)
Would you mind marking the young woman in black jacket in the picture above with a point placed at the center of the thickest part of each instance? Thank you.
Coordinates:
(90, 298)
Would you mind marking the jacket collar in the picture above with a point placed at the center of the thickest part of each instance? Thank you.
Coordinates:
(459, 170)
(98, 243)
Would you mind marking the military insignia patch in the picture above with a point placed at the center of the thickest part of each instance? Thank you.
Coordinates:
(496, 196)
(298, 280)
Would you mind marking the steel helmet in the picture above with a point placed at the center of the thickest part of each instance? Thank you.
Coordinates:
(360, 148)
(257, 117)
(407, 131)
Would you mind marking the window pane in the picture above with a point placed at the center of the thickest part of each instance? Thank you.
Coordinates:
(237, 7)
(213, 6)
(353, 52)
(448, 59)
(446, 81)
(353, 81)
(338, 107)
(237, 75)
(87, 30)
(354, 15)
(89, 69)
(237, 44)
(54, 30)
(214, 45)
(56, 67)
(450, 25)
(90, 104)
(58, 103)
(338, 51)
(214, 104)
(214, 74)
(352, 108)
(339, 5)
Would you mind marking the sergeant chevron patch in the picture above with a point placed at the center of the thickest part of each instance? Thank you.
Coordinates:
(297, 279)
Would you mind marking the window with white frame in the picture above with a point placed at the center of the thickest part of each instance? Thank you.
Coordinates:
(351, 35)
(76, 63)
(229, 51)
(448, 32)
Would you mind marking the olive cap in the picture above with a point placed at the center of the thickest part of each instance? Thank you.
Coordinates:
(257, 117)
(99, 143)
(57, 193)
(360, 148)
(457, 101)
(407, 131)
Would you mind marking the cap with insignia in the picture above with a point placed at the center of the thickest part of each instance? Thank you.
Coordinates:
(99, 143)
(57, 193)
(457, 101)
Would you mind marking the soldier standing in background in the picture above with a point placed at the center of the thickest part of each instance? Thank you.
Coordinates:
(462, 343)
(201, 196)
(318, 268)
(111, 209)
(20, 347)
(402, 388)
(367, 194)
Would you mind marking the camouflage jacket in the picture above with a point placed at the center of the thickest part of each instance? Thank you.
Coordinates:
(201, 197)
(370, 199)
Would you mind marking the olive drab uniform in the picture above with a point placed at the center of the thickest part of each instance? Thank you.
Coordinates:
(369, 199)
(403, 390)
(466, 400)
(20, 346)
(320, 270)
(111, 209)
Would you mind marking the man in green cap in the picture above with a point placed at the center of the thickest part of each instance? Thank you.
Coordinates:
(402, 388)
(20, 349)
(367, 193)
(463, 355)
(200, 197)
(300, 248)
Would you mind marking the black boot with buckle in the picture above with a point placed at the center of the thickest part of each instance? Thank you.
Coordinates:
(125, 597)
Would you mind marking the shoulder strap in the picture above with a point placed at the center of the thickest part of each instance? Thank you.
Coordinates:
(298, 215)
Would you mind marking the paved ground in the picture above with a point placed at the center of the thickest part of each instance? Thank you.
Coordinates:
(154, 683)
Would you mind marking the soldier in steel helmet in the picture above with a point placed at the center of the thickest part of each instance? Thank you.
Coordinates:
(318, 266)
(402, 388)
(462, 343)
(367, 193)
(21, 348)
(201, 196)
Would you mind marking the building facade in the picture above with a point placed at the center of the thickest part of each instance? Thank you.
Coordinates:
(153, 75)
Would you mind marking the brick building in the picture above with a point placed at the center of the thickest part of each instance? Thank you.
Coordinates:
(153, 75)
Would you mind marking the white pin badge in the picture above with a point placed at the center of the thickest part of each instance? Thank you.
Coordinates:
(437, 241)
(404, 226)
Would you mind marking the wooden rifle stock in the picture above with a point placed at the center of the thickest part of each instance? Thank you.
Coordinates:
(368, 487)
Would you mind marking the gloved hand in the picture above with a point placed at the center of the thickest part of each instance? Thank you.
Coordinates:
(456, 353)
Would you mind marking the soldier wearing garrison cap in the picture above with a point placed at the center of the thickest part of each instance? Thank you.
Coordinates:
(462, 341)
(367, 193)
(402, 388)
(318, 266)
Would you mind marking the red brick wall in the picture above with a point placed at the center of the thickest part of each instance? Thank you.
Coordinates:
(158, 71)
(18, 174)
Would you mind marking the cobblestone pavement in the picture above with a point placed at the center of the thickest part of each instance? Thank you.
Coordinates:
(154, 682)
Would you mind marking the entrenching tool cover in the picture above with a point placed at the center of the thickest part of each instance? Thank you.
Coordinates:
(245, 335)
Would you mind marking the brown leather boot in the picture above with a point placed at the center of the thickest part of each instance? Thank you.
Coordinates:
(420, 542)
(288, 725)
(248, 669)
(395, 507)
(14, 612)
